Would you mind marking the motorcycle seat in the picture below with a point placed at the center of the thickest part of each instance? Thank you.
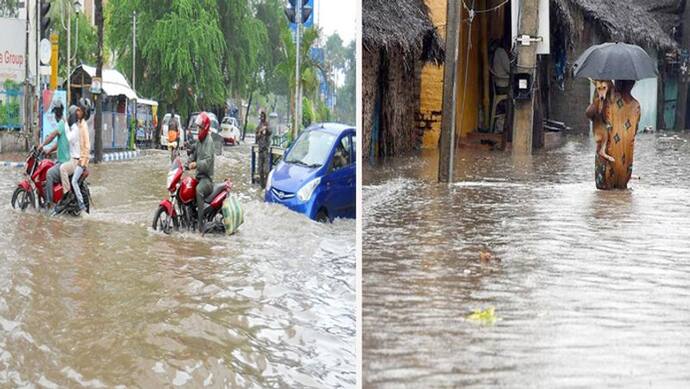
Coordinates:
(217, 189)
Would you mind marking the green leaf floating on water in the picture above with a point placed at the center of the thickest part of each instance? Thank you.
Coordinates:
(487, 316)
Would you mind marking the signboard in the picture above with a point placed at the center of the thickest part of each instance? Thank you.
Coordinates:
(96, 85)
(50, 97)
(12, 47)
(543, 31)
(310, 22)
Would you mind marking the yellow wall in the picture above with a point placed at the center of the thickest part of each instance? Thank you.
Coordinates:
(431, 93)
(431, 89)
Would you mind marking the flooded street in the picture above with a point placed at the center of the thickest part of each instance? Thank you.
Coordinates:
(592, 287)
(104, 301)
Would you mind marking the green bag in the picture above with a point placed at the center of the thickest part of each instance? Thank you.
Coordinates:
(233, 214)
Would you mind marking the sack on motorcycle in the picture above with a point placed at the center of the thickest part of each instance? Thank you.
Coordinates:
(233, 214)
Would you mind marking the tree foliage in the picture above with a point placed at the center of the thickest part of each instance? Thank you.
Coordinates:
(345, 107)
(9, 8)
(179, 49)
(83, 48)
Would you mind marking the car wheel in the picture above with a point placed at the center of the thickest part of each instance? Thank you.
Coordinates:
(322, 216)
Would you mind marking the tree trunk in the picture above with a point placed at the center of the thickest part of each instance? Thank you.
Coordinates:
(98, 120)
(246, 115)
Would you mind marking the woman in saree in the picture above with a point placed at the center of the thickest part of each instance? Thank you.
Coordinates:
(620, 116)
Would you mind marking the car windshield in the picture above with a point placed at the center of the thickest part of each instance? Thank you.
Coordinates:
(311, 149)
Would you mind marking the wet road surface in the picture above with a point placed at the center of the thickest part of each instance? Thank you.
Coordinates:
(592, 290)
(104, 301)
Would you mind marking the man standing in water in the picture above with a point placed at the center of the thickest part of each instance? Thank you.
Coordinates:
(63, 152)
(203, 163)
(263, 139)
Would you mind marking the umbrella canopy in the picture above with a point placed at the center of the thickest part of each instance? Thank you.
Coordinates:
(615, 61)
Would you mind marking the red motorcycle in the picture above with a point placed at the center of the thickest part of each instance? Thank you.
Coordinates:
(179, 210)
(31, 190)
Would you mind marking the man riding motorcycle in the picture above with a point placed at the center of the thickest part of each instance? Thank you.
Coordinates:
(63, 151)
(203, 161)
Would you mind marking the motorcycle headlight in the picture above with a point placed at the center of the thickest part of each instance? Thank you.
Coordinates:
(269, 180)
(304, 194)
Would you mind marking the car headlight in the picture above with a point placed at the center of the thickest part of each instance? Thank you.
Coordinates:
(304, 194)
(269, 180)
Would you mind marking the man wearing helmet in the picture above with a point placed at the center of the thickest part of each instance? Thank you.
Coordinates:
(203, 163)
(63, 151)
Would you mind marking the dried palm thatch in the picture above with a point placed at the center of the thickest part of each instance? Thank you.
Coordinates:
(397, 37)
(401, 24)
(621, 20)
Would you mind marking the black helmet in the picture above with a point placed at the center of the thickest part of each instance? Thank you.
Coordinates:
(72, 115)
(86, 107)
(58, 108)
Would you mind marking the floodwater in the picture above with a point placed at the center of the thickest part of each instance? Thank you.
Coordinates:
(592, 288)
(105, 301)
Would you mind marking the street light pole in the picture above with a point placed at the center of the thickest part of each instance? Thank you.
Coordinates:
(134, 50)
(298, 101)
(98, 97)
(27, 99)
(69, 55)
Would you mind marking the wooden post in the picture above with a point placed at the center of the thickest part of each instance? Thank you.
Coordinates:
(527, 62)
(98, 120)
(486, 66)
(453, 19)
(682, 102)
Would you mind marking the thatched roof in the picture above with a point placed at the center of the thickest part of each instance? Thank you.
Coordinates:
(666, 12)
(403, 24)
(622, 20)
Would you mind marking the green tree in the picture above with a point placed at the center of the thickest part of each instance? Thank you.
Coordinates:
(345, 107)
(307, 112)
(270, 13)
(9, 8)
(308, 66)
(180, 46)
(83, 48)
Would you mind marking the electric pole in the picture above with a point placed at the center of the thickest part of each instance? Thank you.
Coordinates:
(526, 63)
(683, 85)
(448, 125)
(98, 120)
(298, 79)
(134, 51)
(298, 12)
(27, 99)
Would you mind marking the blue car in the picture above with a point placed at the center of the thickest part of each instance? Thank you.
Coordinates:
(317, 175)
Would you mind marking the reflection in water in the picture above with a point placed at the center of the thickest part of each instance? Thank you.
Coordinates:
(103, 300)
(592, 286)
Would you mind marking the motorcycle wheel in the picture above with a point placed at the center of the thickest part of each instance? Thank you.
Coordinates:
(22, 199)
(164, 222)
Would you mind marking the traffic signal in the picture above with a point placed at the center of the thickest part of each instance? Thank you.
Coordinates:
(45, 20)
(291, 11)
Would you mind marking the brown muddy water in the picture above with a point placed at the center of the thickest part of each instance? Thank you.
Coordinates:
(104, 301)
(592, 290)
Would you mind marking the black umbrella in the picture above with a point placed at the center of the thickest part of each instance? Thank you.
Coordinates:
(615, 61)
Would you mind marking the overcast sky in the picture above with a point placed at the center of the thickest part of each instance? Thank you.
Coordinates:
(337, 16)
